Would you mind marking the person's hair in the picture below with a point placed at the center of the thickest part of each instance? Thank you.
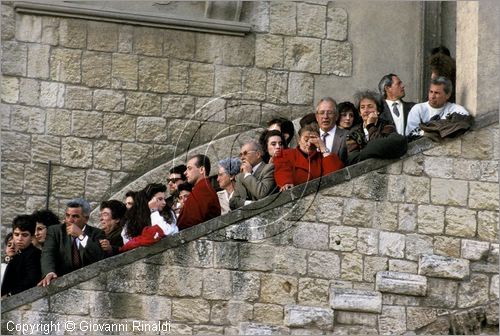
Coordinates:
(327, 99)
(448, 87)
(286, 127)
(309, 128)
(230, 165)
(263, 140)
(441, 50)
(307, 119)
(202, 161)
(385, 82)
(24, 223)
(117, 208)
(138, 216)
(256, 146)
(442, 65)
(180, 169)
(130, 193)
(8, 237)
(371, 95)
(80, 203)
(185, 186)
(46, 217)
(348, 106)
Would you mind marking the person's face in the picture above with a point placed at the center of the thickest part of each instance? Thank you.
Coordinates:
(22, 239)
(160, 198)
(326, 115)
(346, 119)
(108, 224)
(367, 107)
(223, 178)
(75, 216)
(129, 202)
(437, 96)
(304, 141)
(10, 249)
(396, 90)
(40, 232)
(183, 196)
(274, 145)
(194, 173)
(250, 155)
(173, 181)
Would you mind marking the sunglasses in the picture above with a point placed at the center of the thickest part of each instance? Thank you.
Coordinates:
(173, 180)
(245, 153)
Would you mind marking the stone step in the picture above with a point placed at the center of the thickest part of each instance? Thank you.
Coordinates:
(443, 267)
(356, 300)
(401, 283)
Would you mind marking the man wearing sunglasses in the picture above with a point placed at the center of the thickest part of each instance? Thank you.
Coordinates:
(175, 178)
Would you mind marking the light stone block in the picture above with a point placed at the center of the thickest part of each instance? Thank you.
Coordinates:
(151, 129)
(385, 216)
(483, 195)
(372, 265)
(279, 289)
(12, 174)
(10, 89)
(460, 222)
(430, 219)
(73, 33)
(336, 24)
(300, 88)
(180, 282)
(313, 292)
(96, 69)
(290, 260)
(445, 193)
(311, 236)
(253, 84)
(108, 100)
(466, 169)
(29, 28)
(119, 127)
(441, 167)
(124, 71)
(191, 310)
(76, 152)
(268, 313)
(237, 51)
(143, 104)
(38, 61)
(249, 328)
(201, 79)
(36, 178)
(148, 41)
(474, 292)
(311, 20)
(477, 145)
(352, 267)
(276, 87)
(179, 76)
(246, 285)
(392, 320)
(354, 318)
(107, 155)
(474, 250)
(417, 189)
(367, 241)
(28, 119)
(125, 38)
(358, 212)
(177, 106)
(336, 58)
(29, 91)
(87, 124)
(14, 58)
(102, 36)
(52, 94)
(418, 317)
(323, 265)
(61, 176)
(443, 267)
(494, 288)
(396, 265)
(269, 51)
(216, 284)
(77, 97)
(50, 30)
(401, 283)
(487, 225)
(343, 238)
(46, 147)
(303, 54)
(392, 244)
(356, 300)
(280, 14)
(227, 80)
(179, 44)
(407, 217)
(58, 122)
(97, 182)
(308, 317)
(447, 246)
(65, 65)
(257, 257)
(153, 74)
(417, 244)
(489, 171)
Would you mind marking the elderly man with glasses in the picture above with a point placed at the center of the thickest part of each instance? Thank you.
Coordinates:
(334, 137)
(256, 178)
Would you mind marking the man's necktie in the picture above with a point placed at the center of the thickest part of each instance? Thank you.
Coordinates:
(395, 109)
(75, 255)
(324, 137)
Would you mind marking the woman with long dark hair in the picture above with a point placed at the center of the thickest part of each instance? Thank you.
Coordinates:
(273, 142)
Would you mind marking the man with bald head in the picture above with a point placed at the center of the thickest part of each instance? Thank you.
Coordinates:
(334, 137)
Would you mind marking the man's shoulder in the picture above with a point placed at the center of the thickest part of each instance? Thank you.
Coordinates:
(454, 107)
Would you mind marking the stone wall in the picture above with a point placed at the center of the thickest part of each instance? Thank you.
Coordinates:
(382, 247)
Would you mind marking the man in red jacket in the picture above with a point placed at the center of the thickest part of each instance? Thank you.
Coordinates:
(203, 203)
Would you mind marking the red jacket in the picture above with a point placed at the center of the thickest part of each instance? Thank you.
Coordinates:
(201, 205)
(295, 167)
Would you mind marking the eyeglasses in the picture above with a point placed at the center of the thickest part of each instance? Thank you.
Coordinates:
(173, 180)
(328, 113)
(245, 153)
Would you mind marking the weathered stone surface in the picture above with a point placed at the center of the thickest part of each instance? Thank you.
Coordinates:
(359, 212)
(407, 217)
(487, 225)
(290, 260)
(65, 65)
(446, 193)
(28, 119)
(367, 241)
(441, 167)
(216, 284)
(392, 244)
(12, 174)
(8, 23)
(343, 238)
(418, 317)
(148, 41)
(417, 244)
(280, 14)
(257, 257)
(191, 310)
(145, 104)
(102, 36)
(355, 318)
(401, 283)
(209, 109)
(71, 301)
(29, 28)
(238, 51)
(268, 313)
(179, 44)
(226, 255)
(257, 15)
(201, 79)
(78, 97)
(417, 189)
(231, 312)
(477, 145)
(489, 171)
(45, 147)
(443, 267)
(430, 219)
(392, 320)
(464, 169)
(483, 195)
(108, 100)
(58, 122)
(52, 94)
(29, 91)
(227, 81)
(73, 33)
(247, 328)
(177, 106)
(355, 300)
(303, 316)
(179, 76)
(124, 71)
(460, 222)
(278, 289)
(245, 286)
(474, 250)
(76, 152)
(38, 61)
(447, 246)
(12, 206)
(269, 51)
(180, 281)
(302, 54)
(153, 74)
(494, 288)
(14, 58)
(151, 129)
(50, 30)
(336, 24)
(473, 292)
(97, 184)
(396, 188)
(311, 20)
(276, 87)
(311, 236)
(323, 265)
(207, 330)
(36, 178)
(241, 112)
(313, 292)
(300, 88)
(87, 124)
(10, 89)
(107, 155)
(125, 38)
(336, 58)
(372, 265)
(253, 84)
(96, 69)
(396, 265)
(351, 267)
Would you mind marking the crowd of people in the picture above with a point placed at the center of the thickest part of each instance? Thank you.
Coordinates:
(378, 125)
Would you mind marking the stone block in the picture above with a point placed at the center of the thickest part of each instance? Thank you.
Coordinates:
(96, 69)
(313, 292)
(226, 255)
(227, 81)
(477, 145)
(396, 188)
(148, 41)
(407, 217)
(372, 185)
(447, 246)
(343, 238)
(70, 301)
(52, 94)
(336, 58)
(14, 58)
(58, 122)
(268, 313)
(483, 195)
(308, 317)
(87, 124)
(216, 284)
(29, 90)
(28, 119)
(14, 147)
(201, 79)
(441, 167)
(303, 54)
(401, 283)
(151, 129)
(460, 222)
(494, 287)
(269, 51)
(355, 300)
(323, 265)
(207, 330)
(38, 61)
(445, 193)
(372, 265)
(417, 189)
(311, 236)
(257, 257)
(276, 87)
(443, 267)
(29, 28)
(430, 219)
(73, 33)
(474, 292)
(487, 225)
(179, 44)
(180, 281)
(311, 20)
(367, 241)
(359, 212)
(12, 206)
(107, 155)
(396, 265)
(144, 104)
(489, 171)
(464, 169)
(50, 30)
(108, 100)
(279, 289)
(191, 310)
(391, 244)
(417, 244)
(240, 112)
(197, 253)
(351, 267)
(253, 84)
(230, 312)
(336, 23)
(257, 14)
(12, 175)
(474, 250)
(280, 14)
(153, 74)
(300, 88)
(392, 320)
(8, 23)
(76, 152)
(418, 317)
(238, 51)
(65, 65)
(175, 106)
(414, 165)
(125, 38)
(124, 72)
(97, 184)
(10, 89)
(45, 148)
(102, 36)
(326, 209)
(248, 328)
(354, 318)
(245, 285)
(290, 260)
(208, 109)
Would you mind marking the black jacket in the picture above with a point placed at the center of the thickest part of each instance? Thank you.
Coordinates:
(23, 271)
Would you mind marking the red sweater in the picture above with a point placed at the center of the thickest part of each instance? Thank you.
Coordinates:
(295, 167)
(201, 205)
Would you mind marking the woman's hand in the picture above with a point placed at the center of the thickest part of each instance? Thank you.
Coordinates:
(286, 187)
(372, 118)
(153, 204)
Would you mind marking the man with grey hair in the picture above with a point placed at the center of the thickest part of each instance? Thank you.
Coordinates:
(256, 178)
(71, 245)
(395, 110)
(334, 137)
(437, 107)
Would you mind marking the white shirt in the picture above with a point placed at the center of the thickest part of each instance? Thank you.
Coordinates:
(329, 139)
(423, 112)
(398, 120)
(224, 198)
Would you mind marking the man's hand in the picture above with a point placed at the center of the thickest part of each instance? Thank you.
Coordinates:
(246, 167)
(73, 230)
(46, 281)
(286, 187)
(372, 118)
(105, 245)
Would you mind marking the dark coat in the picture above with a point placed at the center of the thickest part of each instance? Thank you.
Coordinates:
(387, 115)
(253, 187)
(23, 271)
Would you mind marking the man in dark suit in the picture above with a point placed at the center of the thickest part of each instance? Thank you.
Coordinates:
(395, 109)
(23, 271)
(71, 245)
(334, 137)
(256, 178)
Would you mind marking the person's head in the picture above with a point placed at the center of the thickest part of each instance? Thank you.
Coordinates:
(10, 246)
(308, 119)
(442, 65)
(439, 91)
(391, 87)
(274, 142)
(198, 168)
(176, 177)
(129, 199)
(252, 153)
(326, 113)
(441, 50)
(184, 190)
(307, 133)
(368, 102)
(348, 115)
(156, 191)
(228, 169)
(43, 219)
(284, 125)
(110, 215)
(23, 229)
(77, 212)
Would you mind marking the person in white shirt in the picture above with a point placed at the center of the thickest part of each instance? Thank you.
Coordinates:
(437, 107)
(226, 177)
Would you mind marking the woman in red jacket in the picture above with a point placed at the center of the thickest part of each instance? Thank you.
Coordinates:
(310, 160)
